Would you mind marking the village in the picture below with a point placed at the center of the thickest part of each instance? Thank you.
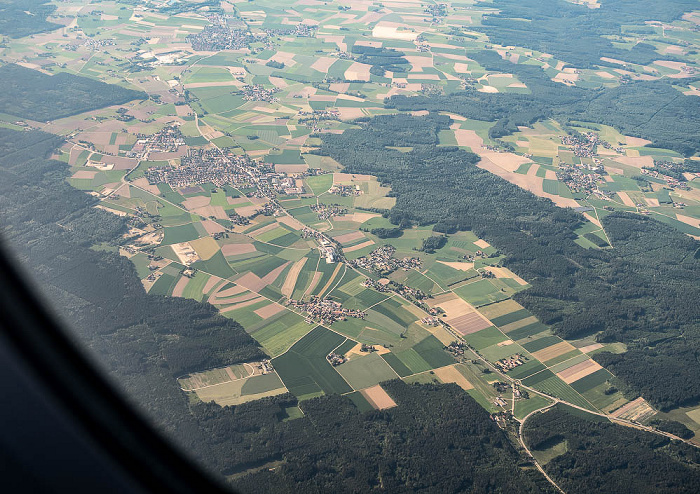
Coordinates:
(382, 261)
(324, 310)
(328, 211)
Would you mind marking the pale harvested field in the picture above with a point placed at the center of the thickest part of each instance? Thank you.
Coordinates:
(391, 32)
(441, 299)
(269, 310)
(688, 220)
(229, 393)
(636, 141)
(593, 220)
(501, 308)
(590, 348)
(349, 237)
(290, 281)
(340, 87)
(357, 217)
(344, 178)
(85, 174)
(487, 89)
(378, 398)
(211, 283)
(236, 200)
(180, 286)
(236, 249)
(553, 351)
(332, 279)
(251, 282)
(469, 138)
(229, 292)
(291, 168)
(274, 274)
(347, 113)
(482, 244)
(212, 227)
(636, 161)
(358, 72)
(450, 374)
(461, 68)
(518, 324)
(506, 273)
(460, 266)
(245, 297)
(291, 221)
(578, 371)
(142, 183)
(527, 182)
(217, 212)
(359, 246)
(196, 202)
(205, 247)
(507, 161)
(314, 281)
(278, 82)
(550, 175)
(626, 200)
(241, 305)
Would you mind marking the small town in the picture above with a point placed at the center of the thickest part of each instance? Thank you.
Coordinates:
(325, 311)
(327, 211)
(382, 261)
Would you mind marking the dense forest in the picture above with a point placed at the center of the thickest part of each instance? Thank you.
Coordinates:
(653, 110)
(598, 456)
(144, 341)
(643, 292)
(19, 18)
(575, 34)
(34, 95)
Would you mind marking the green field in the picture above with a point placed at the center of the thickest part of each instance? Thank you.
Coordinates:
(304, 368)
(366, 371)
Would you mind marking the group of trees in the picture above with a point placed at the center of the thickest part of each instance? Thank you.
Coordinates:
(19, 18)
(641, 292)
(654, 110)
(34, 95)
(604, 457)
(381, 59)
(577, 34)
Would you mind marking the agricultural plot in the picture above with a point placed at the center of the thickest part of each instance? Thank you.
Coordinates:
(305, 370)
(366, 371)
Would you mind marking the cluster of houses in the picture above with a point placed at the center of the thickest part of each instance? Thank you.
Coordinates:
(325, 310)
(202, 166)
(510, 363)
(345, 190)
(327, 211)
(336, 359)
(578, 177)
(328, 247)
(584, 145)
(456, 348)
(312, 118)
(219, 36)
(382, 260)
(258, 92)
(167, 140)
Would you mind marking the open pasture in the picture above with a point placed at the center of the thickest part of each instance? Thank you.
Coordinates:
(304, 368)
